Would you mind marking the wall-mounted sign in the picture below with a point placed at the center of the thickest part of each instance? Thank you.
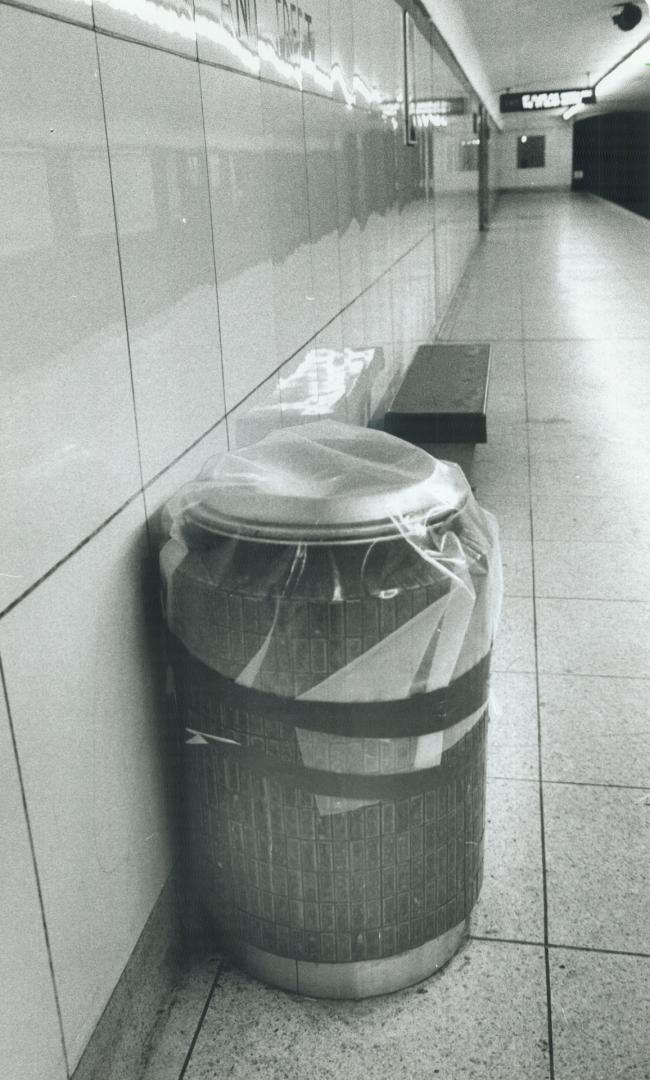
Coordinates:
(455, 106)
(295, 32)
(410, 95)
(536, 100)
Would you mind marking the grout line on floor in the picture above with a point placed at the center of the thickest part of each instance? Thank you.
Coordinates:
(506, 941)
(204, 1011)
(572, 783)
(605, 952)
(547, 960)
(557, 945)
(588, 599)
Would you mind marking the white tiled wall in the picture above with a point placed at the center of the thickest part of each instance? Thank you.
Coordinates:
(178, 234)
(558, 165)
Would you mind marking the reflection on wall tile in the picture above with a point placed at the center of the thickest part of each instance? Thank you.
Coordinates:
(388, 52)
(353, 325)
(30, 1039)
(280, 32)
(242, 236)
(366, 91)
(77, 10)
(286, 179)
(68, 433)
(323, 207)
(376, 250)
(226, 33)
(348, 195)
(183, 472)
(342, 50)
(169, 25)
(153, 115)
(90, 745)
(315, 58)
(377, 312)
(257, 416)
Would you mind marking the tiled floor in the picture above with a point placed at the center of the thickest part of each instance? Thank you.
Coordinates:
(555, 981)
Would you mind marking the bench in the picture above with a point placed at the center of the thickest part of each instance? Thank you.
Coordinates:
(442, 402)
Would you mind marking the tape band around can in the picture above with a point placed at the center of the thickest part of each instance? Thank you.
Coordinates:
(342, 785)
(422, 714)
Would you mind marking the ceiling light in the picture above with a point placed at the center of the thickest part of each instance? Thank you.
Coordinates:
(624, 70)
(572, 111)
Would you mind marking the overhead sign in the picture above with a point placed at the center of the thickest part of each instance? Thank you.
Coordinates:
(536, 100)
(455, 106)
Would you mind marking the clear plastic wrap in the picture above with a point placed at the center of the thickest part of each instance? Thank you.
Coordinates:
(331, 563)
(340, 384)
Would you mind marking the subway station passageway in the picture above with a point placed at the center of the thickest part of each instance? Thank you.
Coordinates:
(555, 980)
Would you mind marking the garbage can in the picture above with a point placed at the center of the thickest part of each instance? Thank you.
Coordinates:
(331, 594)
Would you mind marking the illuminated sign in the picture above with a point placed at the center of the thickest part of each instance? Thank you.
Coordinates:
(535, 100)
(442, 106)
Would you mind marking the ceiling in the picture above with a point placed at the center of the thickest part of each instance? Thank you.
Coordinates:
(530, 45)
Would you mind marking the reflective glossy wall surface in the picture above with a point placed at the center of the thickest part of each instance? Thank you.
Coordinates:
(193, 199)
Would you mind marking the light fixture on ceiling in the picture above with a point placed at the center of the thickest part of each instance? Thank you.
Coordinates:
(628, 17)
(618, 75)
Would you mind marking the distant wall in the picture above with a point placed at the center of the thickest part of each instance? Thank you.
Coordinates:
(612, 152)
(559, 148)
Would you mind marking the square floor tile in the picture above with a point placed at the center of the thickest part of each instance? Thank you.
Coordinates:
(482, 1018)
(511, 905)
(593, 637)
(514, 649)
(517, 559)
(595, 730)
(510, 507)
(512, 734)
(601, 1016)
(597, 857)
(592, 570)
(578, 517)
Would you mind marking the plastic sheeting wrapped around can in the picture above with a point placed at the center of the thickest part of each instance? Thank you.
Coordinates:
(332, 594)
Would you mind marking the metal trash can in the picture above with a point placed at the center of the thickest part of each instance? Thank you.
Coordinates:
(331, 594)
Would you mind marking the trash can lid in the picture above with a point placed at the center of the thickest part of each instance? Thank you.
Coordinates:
(322, 482)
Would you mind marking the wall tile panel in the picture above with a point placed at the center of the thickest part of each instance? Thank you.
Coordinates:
(226, 33)
(242, 229)
(68, 438)
(91, 745)
(30, 1039)
(315, 47)
(166, 26)
(279, 34)
(258, 415)
(348, 196)
(286, 180)
(319, 117)
(155, 130)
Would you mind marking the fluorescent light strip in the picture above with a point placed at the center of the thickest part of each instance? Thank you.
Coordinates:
(615, 71)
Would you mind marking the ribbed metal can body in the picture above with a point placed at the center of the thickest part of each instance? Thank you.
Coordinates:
(336, 844)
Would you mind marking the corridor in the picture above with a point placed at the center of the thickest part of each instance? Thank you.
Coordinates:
(555, 979)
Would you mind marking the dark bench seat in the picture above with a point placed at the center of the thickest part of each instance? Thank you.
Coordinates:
(442, 401)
